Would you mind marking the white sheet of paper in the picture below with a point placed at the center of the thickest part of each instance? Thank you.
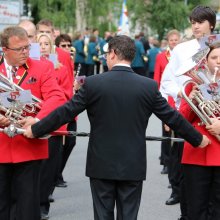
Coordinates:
(12, 99)
(35, 51)
(53, 58)
(210, 91)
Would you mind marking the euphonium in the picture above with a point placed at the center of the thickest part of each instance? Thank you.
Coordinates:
(17, 110)
(197, 69)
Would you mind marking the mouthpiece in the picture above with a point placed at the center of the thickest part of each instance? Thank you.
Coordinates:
(215, 73)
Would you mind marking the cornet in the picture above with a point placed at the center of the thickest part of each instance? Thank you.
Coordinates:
(197, 69)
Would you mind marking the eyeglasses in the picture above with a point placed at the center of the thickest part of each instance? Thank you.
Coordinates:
(20, 49)
(66, 45)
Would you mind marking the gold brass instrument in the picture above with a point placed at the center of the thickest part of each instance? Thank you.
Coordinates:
(18, 110)
(198, 71)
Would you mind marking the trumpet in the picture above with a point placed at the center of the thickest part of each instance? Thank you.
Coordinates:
(200, 75)
(17, 110)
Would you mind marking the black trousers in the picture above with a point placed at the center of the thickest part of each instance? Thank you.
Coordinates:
(89, 69)
(175, 172)
(176, 175)
(67, 148)
(125, 194)
(97, 64)
(165, 148)
(19, 187)
(202, 184)
(50, 170)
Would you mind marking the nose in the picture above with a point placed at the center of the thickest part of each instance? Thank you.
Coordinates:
(196, 24)
(218, 59)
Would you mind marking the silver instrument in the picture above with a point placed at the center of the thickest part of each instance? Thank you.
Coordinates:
(197, 69)
(18, 109)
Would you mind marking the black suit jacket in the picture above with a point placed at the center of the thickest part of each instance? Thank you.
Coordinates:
(119, 104)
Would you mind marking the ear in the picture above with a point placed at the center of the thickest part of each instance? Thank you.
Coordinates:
(111, 55)
(4, 49)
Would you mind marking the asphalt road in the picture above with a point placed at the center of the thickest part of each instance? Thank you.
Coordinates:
(75, 202)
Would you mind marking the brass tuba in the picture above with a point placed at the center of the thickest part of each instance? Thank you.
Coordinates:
(197, 69)
(17, 110)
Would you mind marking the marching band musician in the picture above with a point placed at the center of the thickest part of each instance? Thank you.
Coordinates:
(203, 20)
(50, 168)
(140, 58)
(61, 75)
(162, 59)
(30, 28)
(64, 41)
(201, 167)
(92, 56)
(78, 44)
(46, 26)
(20, 158)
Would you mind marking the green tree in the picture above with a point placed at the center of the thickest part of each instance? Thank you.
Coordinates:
(162, 15)
(167, 14)
(60, 12)
(97, 13)
(159, 15)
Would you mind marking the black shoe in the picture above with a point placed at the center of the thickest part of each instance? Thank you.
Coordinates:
(44, 216)
(61, 184)
(164, 170)
(50, 198)
(172, 201)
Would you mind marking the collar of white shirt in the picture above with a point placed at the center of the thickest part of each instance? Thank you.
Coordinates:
(122, 64)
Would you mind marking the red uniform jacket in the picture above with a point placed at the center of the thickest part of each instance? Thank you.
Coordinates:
(162, 59)
(65, 59)
(160, 64)
(61, 74)
(37, 77)
(208, 156)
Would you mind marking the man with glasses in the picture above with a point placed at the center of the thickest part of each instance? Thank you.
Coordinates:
(20, 158)
(119, 104)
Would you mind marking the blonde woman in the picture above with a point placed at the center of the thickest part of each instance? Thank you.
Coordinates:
(51, 172)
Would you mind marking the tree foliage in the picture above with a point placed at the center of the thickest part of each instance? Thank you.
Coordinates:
(159, 15)
(162, 15)
(98, 13)
(174, 17)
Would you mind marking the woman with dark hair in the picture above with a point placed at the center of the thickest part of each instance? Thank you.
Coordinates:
(64, 41)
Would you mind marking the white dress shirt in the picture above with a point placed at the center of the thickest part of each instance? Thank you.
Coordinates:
(171, 84)
(8, 70)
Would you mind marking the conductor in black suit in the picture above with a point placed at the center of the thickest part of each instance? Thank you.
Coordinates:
(119, 104)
